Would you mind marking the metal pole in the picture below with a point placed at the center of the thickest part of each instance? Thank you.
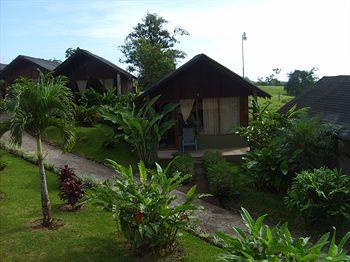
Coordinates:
(243, 55)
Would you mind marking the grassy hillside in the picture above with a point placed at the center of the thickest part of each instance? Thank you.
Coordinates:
(278, 99)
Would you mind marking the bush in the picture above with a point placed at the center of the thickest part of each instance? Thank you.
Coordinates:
(145, 211)
(219, 174)
(304, 144)
(86, 116)
(262, 130)
(259, 242)
(321, 194)
(71, 189)
(183, 163)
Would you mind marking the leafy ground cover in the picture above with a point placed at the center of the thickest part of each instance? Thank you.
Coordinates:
(278, 99)
(90, 142)
(88, 235)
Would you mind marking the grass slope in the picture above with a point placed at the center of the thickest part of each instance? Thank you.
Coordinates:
(90, 144)
(88, 235)
(278, 99)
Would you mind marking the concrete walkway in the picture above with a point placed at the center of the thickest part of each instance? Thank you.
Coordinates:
(211, 219)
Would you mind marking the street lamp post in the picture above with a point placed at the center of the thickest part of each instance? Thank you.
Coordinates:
(244, 38)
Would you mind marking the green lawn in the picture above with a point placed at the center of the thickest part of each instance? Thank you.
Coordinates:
(278, 99)
(88, 235)
(90, 144)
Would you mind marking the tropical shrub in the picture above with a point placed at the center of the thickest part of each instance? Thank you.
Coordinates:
(143, 128)
(264, 126)
(259, 242)
(86, 116)
(315, 142)
(321, 194)
(304, 144)
(146, 212)
(183, 163)
(269, 169)
(71, 189)
(219, 175)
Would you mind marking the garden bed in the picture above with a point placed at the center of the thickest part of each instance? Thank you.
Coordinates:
(88, 234)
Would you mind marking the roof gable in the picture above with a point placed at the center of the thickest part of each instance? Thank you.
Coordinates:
(69, 62)
(42, 64)
(203, 60)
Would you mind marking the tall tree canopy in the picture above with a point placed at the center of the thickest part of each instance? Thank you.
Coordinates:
(70, 51)
(300, 80)
(149, 49)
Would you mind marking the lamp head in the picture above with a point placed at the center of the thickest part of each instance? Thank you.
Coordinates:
(244, 36)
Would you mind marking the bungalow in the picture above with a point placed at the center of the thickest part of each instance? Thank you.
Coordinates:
(24, 66)
(213, 100)
(330, 100)
(85, 69)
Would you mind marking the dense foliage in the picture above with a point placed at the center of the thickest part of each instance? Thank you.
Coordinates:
(145, 211)
(183, 163)
(263, 127)
(219, 174)
(303, 144)
(321, 194)
(259, 242)
(34, 106)
(71, 188)
(149, 49)
(142, 127)
(300, 80)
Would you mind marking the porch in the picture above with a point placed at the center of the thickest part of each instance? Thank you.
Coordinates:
(227, 152)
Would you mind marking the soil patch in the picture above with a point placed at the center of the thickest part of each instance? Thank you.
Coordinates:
(69, 208)
(38, 224)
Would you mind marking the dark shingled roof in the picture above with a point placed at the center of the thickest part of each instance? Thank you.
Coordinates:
(204, 58)
(89, 54)
(41, 63)
(329, 99)
(2, 66)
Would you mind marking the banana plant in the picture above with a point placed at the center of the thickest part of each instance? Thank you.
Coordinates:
(142, 127)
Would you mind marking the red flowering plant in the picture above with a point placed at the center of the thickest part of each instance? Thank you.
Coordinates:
(146, 212)
(71, 189)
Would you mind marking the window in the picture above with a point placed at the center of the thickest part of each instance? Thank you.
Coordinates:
(220, 115)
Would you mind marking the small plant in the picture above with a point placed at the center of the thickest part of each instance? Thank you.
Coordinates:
(321, 194)
(145, 211)
(259, 242)
(219, 174)
(184, 164)
(86, 116)
(71, 189)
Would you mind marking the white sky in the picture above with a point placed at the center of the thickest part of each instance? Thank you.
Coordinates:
(286, 34)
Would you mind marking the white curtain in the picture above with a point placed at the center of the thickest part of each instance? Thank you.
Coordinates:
(108, 83)
(186, 108)
(210, 116)
(229, 114)
(82, 84)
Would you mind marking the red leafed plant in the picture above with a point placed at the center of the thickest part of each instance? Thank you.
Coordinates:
(71, 189)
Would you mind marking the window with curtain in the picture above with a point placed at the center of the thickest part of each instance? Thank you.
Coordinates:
(220, 115)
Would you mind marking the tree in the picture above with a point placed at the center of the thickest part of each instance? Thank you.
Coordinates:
(70, 51)
(33, 107)
(142, 128)
(149, 49)
(300, 80)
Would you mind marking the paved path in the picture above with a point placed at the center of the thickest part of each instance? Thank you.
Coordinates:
(211, 219)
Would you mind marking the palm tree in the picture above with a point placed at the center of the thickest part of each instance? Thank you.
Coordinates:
(33, 107)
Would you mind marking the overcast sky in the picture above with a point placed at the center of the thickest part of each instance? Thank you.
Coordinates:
(288, 34)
